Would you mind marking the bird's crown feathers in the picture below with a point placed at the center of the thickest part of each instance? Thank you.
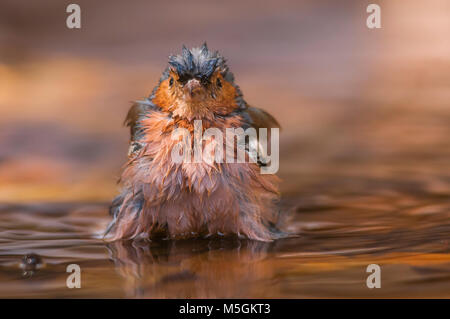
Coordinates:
(199, 63)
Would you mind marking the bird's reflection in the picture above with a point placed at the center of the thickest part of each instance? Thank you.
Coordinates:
(218, 268)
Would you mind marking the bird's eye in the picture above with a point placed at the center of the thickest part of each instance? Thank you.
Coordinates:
(171, 81)
(219, 83)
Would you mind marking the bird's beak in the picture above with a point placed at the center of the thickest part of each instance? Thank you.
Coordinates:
(192, 87)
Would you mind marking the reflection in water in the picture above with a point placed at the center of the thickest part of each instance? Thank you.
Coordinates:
(30, 264)
(340, 235)
(364, 151)
(192, 268)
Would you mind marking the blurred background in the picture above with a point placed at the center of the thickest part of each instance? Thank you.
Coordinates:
(359, 107)
(365, 147)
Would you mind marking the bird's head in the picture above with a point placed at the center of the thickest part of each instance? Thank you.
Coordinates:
(197, 84)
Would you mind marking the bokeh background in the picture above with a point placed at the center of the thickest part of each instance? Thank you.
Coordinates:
(361, 109)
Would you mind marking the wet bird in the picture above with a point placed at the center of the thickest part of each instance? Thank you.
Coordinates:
(164, 198)
(30, 263)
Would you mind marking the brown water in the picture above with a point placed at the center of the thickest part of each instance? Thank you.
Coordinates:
(408, 236)
(364, 150)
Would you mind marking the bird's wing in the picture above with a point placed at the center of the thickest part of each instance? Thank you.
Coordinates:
(258, 119)
(261, 119)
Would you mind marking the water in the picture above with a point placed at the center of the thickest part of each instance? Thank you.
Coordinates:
(407, 236)
(364, 150)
